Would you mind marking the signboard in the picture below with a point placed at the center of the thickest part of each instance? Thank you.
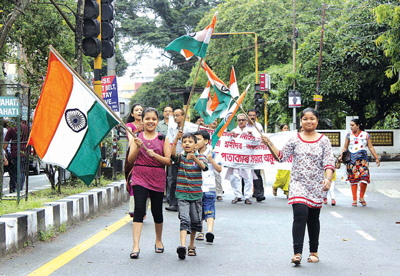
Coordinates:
(317, 98)
(265, 82)
(9, 107)
(294, 99)
(109, 92)
(24, 116)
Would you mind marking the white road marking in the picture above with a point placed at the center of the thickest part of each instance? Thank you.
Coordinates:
(335, 214)
(365, 235)
(347, 192)
(390, 192)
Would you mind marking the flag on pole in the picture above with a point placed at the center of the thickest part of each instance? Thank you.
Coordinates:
(203, 105)
(233, 87)
(225, 124)
(70, 121)
(194, 44)
(221, 90)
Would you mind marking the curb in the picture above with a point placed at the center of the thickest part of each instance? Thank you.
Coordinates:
(22, 227)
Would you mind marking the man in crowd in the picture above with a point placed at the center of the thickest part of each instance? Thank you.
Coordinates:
(162, 126)
(11, 137)
(258, 183)
(236, 175)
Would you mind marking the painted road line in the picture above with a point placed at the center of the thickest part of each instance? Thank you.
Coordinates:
(390, 192)
(365, 235)
(68, 256)
(347, 192)
(337, 215)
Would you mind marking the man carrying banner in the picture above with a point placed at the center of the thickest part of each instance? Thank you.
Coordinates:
(236, 175)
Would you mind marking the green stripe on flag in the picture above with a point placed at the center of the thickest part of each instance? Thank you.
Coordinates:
(86, 160)
(198, 48)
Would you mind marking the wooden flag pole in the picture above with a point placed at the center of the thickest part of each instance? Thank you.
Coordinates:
(259, 131)
(93, 92)
(191, 92)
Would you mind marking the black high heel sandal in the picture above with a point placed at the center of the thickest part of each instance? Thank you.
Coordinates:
(159, 249)
(134, 255)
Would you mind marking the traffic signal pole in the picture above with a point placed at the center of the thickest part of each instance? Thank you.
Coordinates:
(294, 62)
(97, 61)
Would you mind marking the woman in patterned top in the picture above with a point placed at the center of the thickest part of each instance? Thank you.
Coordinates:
(312, 158)
(357, 170)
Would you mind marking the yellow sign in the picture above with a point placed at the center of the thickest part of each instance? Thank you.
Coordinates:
(317, 98)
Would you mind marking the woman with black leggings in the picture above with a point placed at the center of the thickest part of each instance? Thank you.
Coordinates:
(148, 177)
(312, 158)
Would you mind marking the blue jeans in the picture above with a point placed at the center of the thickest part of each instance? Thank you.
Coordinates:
(209, 205)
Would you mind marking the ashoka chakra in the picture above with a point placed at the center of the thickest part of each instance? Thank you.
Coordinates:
(76, 120)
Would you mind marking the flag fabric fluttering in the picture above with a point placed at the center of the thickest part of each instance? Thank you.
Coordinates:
(70, 122)
(194, 44)
(226, 122)
(221, 90)
(203, 106)
(233, 87)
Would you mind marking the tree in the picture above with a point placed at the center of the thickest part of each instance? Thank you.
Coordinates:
(353, 67)
(155, 23)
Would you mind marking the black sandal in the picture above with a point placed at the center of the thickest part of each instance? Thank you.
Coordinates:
(192, 251)
(159, 249)
(134, 255)
(181, 250)
(236, 200)
(247, 201)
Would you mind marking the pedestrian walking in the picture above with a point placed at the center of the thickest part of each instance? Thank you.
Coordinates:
(312, 158)
(208, 183)
(283, 176)
(357, 143)
(148, 177)
(188, 190)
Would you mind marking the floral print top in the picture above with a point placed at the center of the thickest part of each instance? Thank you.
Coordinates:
(310, 160)
(358, 145)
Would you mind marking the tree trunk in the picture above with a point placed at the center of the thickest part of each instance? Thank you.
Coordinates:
(11, 18)
(2, 93)
(79, 37)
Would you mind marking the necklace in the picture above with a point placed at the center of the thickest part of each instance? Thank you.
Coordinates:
(148, 140)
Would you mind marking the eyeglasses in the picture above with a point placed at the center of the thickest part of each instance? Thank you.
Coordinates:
(241, 120)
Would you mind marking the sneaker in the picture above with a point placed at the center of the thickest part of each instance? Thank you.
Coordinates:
(333, 202)
(325, 201)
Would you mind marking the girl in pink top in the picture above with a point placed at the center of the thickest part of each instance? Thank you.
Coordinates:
(134, 121)
(148, 177)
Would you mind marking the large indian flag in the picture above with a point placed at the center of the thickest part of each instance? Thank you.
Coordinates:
(221, 90)
(194, 44)
(70, 122)
(226, 122)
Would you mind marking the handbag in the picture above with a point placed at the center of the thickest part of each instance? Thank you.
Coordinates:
(337, 163)
(346, 157)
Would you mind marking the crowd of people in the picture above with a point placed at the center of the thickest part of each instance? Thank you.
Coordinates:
(187, 172)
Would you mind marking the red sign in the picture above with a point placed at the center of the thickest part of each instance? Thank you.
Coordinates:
(262, 82)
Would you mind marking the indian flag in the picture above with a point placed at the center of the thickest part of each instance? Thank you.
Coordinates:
(203, 105)
(194, 44)
(70, 121)
(227, 120)
(221, 90)
(233, 87)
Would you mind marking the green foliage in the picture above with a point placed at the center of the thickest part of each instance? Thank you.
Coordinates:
(158, 22)
(157, 93)
(353, 67)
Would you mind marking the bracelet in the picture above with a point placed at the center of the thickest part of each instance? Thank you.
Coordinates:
(175, 143)
(330, 179)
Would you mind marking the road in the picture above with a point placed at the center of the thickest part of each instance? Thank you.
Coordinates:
(36, 182)
(254, 239)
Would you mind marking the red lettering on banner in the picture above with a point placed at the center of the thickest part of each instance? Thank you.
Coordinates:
(269, 158)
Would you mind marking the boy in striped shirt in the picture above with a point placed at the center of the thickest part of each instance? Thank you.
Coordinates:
(188, 190)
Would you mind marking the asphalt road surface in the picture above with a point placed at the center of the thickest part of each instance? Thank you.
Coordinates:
(250, 239)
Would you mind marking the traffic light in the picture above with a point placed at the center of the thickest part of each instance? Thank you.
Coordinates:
(258, 103)
(91, 45)
(107, 29)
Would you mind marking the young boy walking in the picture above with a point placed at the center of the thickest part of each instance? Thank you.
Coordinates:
(188, 190)
(209, 185)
